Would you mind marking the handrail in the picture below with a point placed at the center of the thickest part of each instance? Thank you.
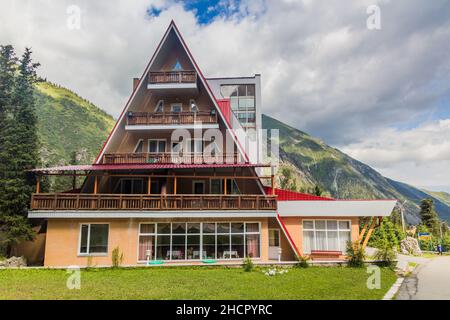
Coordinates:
(81, 201)
(170, 157)
(148, 118)
(172, 77)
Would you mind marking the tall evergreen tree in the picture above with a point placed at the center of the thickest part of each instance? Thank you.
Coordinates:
(19, 148)
(429, 216)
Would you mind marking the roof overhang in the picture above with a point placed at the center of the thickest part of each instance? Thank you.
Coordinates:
(67, 214)
(337, 208)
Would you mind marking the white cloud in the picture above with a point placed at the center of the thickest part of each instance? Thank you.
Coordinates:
(420, 156)
(323, 71)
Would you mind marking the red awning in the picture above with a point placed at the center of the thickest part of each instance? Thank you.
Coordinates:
(117, 167)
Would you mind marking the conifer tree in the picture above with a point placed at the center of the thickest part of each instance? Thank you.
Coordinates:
(18, 146)
(429, 216)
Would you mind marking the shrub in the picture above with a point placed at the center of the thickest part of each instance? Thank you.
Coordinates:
(248, 265)
(386, 255)
(302, 262)
(117, 257)
(355, 254)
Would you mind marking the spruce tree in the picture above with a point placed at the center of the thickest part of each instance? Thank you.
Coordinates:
(429, 216)
(19, 148)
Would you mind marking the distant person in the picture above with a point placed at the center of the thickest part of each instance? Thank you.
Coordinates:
(439, 249)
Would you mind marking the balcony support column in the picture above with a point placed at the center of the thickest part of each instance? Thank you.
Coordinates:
(95, 184)
(225, 186)
(149, 186)
(38, 184)
(174, 185)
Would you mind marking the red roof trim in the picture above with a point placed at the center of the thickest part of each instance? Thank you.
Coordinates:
(287, 195)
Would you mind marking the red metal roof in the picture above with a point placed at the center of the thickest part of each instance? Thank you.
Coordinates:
(105, 167)
(286, 195)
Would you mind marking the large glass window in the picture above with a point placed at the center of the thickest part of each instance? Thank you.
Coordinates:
(93, 238)
(195, 241)
(242, 101)
(327, 235)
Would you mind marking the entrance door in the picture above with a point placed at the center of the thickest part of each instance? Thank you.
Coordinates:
(274, 243)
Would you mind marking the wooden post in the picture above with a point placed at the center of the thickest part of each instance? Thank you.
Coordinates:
(174, 185)
(149, 187)
(38, 184)
(225, 186)
(272, 178)
(364, 229)
(369, 233)
(95, 184)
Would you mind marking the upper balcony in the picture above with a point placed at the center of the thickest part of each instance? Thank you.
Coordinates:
(166, 80)
(171, 120)
(170, 157)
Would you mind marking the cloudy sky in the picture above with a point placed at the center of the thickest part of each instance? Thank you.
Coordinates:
(382, 96)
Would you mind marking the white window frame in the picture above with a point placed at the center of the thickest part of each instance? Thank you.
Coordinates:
(279, 236)
(87, 253)
(157, 144)
(137, 145)
(160, 102)
(259, 232)
(338, 230)
(178, 104)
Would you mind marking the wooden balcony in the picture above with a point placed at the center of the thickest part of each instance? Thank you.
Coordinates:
(67, 201)
(170, 118)
(169, 157)
(172, 77)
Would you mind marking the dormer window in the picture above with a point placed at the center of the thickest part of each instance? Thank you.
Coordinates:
(177, 66)
(139, 146)
(159, 106)
(193, 105)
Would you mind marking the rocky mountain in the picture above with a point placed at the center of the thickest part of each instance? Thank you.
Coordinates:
(341, 176)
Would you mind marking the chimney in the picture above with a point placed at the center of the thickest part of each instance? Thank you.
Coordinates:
(135, 83)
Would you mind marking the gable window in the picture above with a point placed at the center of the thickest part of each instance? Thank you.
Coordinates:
(193, 105)
(139, 146)
(327, 235)
(93, 239)
(176, 107)
(159, 106)
(177, 66)
(156, 146)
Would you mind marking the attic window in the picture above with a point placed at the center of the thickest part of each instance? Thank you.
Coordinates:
(159, 106)
(177, 66)
(193, 105)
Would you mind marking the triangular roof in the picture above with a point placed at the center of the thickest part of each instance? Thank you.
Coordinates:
(142, 81)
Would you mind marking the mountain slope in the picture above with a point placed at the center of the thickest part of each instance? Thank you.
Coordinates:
(442, 196)
(342, 176)
(66, 124)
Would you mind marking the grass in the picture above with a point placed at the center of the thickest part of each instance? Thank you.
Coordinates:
(193, 283)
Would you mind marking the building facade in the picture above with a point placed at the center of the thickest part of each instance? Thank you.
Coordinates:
(181, 179)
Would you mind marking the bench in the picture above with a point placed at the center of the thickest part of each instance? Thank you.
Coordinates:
(325, 255)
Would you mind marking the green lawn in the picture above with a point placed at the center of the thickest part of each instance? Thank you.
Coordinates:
(193, 283)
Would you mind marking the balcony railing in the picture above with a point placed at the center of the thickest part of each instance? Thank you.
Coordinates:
(65, 201)
(169, 157)
(152, 118)
(172, 77)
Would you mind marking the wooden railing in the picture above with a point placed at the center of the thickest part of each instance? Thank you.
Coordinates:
(67, 201)
(148, 118)
(172, 77)
(169, 157)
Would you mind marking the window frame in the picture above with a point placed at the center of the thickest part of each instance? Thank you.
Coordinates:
(137, 145)
(177, 104)
(157, 144)
(315, 230)
(201, 234)
(87, 253)
(158, 105)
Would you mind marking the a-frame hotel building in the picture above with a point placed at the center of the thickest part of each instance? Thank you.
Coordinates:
(178, 181)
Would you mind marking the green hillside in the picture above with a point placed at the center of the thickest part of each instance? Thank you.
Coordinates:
(343, 177)
(442, 196)
(67, 123)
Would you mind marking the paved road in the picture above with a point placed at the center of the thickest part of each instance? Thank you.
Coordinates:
(430, 281)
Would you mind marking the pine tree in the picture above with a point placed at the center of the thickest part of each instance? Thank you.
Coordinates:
(19, 149)
(429, 216)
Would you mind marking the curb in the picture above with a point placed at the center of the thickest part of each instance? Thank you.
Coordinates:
(394, 289)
